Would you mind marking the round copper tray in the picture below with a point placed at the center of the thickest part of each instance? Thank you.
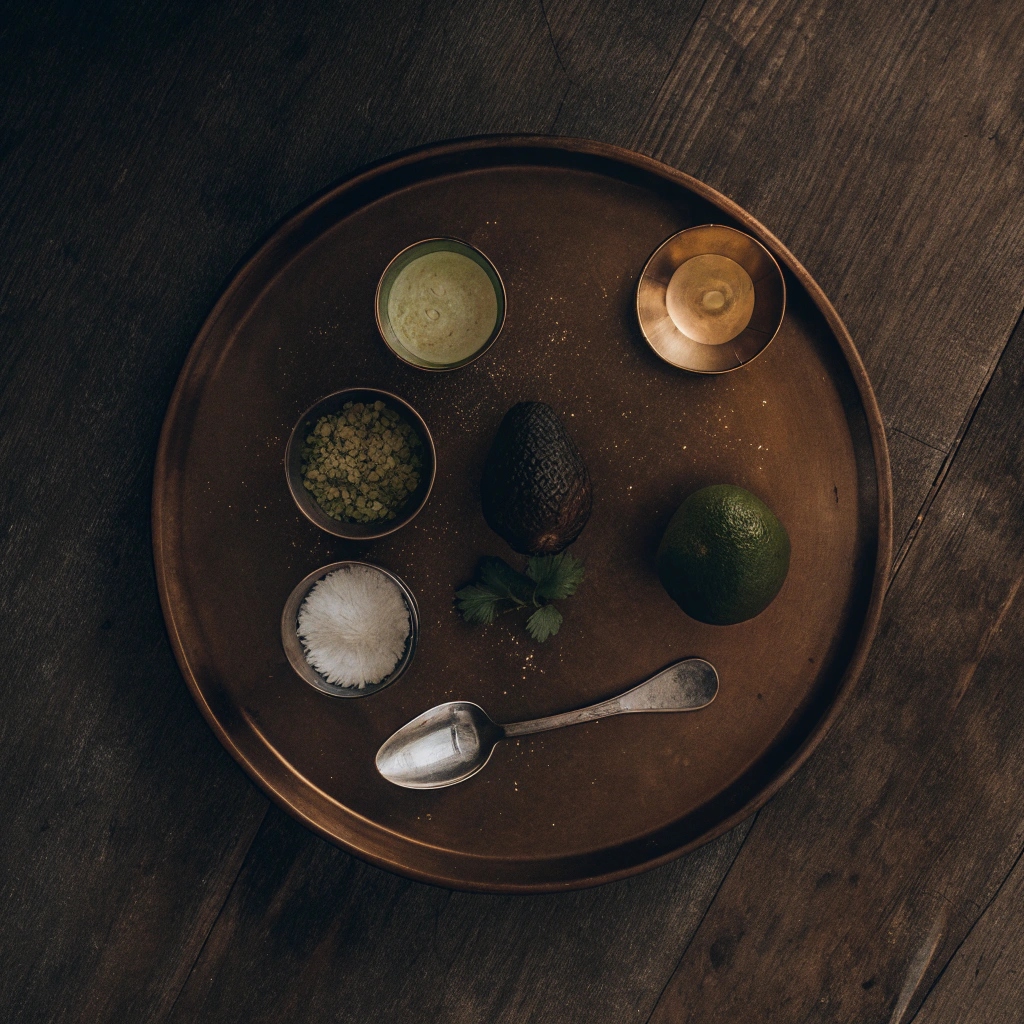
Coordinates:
(570, 226)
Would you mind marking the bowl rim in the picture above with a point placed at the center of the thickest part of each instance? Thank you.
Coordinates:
(293, 645)
(647, 277)
(501, 293)
(307, 504)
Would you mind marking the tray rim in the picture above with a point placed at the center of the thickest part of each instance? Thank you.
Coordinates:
(236, 279)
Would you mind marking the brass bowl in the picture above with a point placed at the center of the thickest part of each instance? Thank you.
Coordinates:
(293, 645)
(308, 505)
(673, 338)
(390, 275)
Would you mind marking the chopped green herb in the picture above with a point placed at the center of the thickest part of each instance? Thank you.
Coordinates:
(362, 465)
(500, 588)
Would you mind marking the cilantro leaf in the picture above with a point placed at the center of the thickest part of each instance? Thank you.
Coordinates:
(500, 588)
(504, 581)
(478, 605)
(544, 623)
(556, 576)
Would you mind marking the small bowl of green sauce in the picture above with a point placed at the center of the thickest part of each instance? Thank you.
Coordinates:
(360, 463)
(440, 304)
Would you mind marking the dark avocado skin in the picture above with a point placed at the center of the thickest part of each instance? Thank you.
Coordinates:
(535, 488)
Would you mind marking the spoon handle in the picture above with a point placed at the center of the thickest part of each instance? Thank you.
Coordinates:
(684, 686)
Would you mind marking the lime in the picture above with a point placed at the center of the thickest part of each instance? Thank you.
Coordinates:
(724, 555)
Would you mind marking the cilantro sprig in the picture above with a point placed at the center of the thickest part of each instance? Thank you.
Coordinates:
(499, 588)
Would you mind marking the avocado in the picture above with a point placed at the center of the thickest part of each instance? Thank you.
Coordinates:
(535, 488)
(724, 555)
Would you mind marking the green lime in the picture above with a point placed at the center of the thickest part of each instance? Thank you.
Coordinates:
(724, 556)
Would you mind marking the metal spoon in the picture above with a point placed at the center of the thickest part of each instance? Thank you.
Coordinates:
(453, 741)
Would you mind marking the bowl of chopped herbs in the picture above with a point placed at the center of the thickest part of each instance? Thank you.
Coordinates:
(360, 463)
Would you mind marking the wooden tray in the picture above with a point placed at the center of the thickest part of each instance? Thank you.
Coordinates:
(569, 225)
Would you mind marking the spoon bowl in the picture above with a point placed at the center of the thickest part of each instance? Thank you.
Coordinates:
(452, 742)
(444, 745)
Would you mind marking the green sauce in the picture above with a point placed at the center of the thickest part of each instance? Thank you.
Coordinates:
(442, 307)
(362, 465)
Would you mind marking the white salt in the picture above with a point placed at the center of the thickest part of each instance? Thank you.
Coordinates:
(354, 625)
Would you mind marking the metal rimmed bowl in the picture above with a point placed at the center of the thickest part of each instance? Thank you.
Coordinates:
(391, 274)
(329, 406)
(701, 348)
(293, 645)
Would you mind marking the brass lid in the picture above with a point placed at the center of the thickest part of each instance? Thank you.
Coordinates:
(667, 287)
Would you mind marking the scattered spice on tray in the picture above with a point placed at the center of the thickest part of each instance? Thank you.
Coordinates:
(500, 588)
(362, 465)
(354, 625)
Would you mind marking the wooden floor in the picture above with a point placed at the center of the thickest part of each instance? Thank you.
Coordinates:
(145, 148)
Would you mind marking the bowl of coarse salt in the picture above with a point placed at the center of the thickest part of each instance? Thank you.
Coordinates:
(350, 628)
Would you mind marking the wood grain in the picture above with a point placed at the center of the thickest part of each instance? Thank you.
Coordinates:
(311, 933)
(984, 981)
(614, 59)
(144, 148)
(914, 464)
(867, 872)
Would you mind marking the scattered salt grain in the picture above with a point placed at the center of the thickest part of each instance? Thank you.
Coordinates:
(354, 626)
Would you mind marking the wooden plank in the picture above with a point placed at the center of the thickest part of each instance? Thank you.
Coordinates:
(915, 467)
(614, 58)
(311, 933)
(984, 982)
(124, 821)
(860, 880)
